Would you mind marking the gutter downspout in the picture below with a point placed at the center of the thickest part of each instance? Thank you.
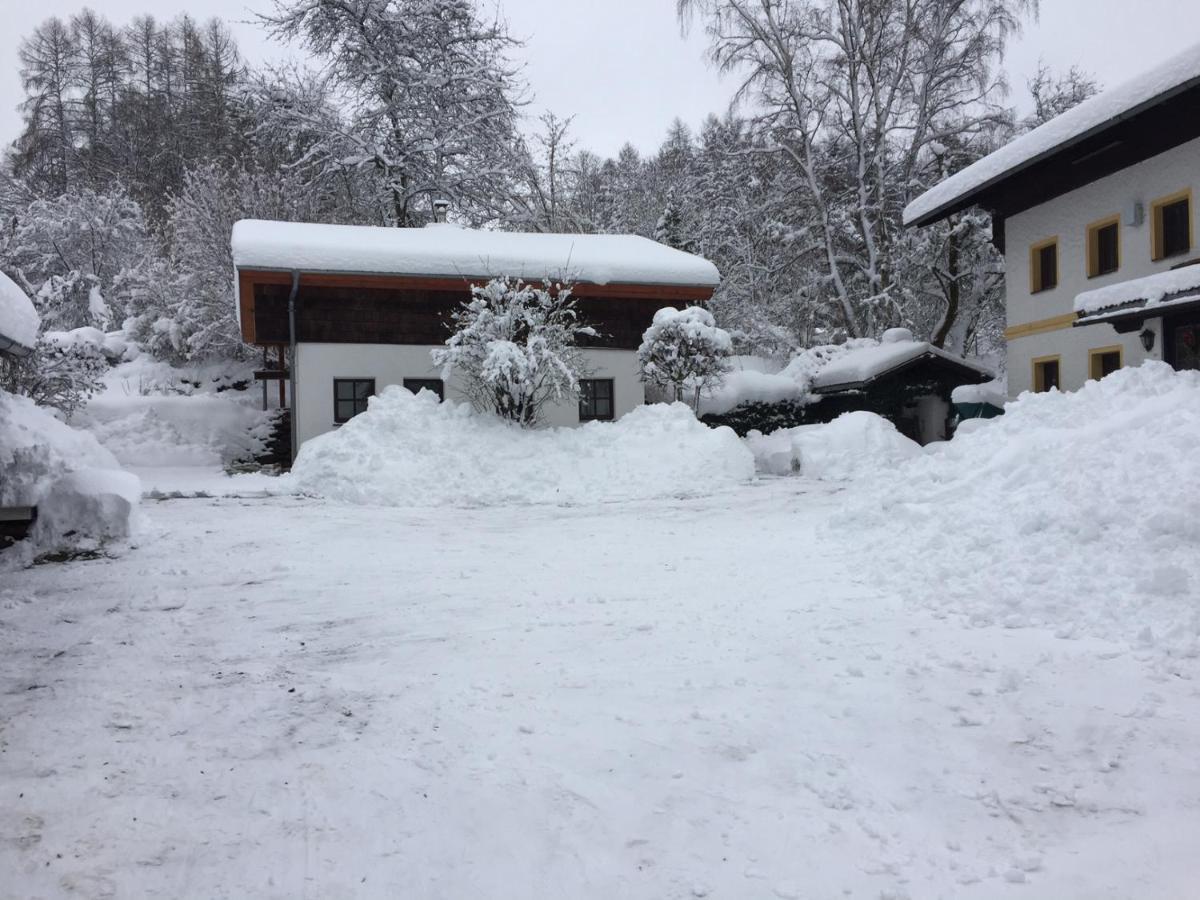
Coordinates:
(294, 367)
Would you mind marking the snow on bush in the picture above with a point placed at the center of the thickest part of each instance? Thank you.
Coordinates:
(741, 386)
(1075, 510)
(854, 445)
(44, 462)
(411, 450)
(684, 349)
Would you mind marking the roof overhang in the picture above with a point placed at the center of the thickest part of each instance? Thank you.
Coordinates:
(971, 374)
(248, 278)
(1131, 317)
(1145, 130)
(12, 349)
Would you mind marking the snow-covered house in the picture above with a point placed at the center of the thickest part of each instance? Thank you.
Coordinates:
(362, 307)
(1095, 214)
(19, 321)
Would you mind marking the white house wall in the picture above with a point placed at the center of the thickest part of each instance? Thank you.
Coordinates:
(1068, 217)
(319, 364)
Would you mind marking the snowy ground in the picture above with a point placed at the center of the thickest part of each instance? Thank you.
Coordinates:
(279, 697)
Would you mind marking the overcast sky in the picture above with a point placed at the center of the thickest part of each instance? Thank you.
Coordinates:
(623, 69)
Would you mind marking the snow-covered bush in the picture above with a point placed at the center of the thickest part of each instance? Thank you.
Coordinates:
(514, 346)
(411, 450)
(61, 372)
(684, 350)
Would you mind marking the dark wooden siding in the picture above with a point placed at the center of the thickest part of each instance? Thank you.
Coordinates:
(356, 315)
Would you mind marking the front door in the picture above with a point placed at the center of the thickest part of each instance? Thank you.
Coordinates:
(1182, 347)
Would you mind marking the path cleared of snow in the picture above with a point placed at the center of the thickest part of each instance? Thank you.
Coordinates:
(681, 698)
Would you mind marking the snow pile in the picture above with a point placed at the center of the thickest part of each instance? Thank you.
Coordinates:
(77, 485)
(1089, 117)
(19, 321)
(1151, 289)
(449, 251)
(1076, 511)
(113, 345)
(411, 450)
(150, 414)
(853, 445)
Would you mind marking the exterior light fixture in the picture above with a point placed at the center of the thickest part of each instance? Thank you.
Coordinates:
(1147, 338)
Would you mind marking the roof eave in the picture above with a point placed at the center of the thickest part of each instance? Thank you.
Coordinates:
(971, 198)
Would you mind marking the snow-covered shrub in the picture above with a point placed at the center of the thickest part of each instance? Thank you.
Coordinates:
(683, 349)
(514, 346)
(411, 450)
(62, 372)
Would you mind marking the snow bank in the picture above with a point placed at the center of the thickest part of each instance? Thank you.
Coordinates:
(1090, 116)
(1076, 511)
(411, 450)
(449, 251)
(853, 445)
(19, 321)
(77, 485)
(1151, 289)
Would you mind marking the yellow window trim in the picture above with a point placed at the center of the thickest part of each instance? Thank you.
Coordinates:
(1041, 326)
(1156, 252)
(1035, 264)
(1093, 245)
(1037, 382)
(1093, 357)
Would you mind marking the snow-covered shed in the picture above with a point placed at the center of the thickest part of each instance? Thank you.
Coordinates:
(1094, 211)
(19, 321)
(362, 307)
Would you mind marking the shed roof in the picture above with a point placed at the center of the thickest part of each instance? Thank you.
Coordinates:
(447, 251)
(19, 321)
(1090, 119)
(858, 368)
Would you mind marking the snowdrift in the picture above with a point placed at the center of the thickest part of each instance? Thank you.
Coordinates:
(853, 445)
(411, 450)
(1076, 511)
(77, 485)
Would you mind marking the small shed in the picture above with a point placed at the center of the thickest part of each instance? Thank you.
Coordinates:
(906, 381)
(19, 321)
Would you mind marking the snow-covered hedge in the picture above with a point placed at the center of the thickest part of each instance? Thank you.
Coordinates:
(853, 445)
(77, 485)
(1075, 510)
(411, 450)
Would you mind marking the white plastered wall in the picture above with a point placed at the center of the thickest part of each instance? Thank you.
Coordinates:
(319, 364)
(1068, 217)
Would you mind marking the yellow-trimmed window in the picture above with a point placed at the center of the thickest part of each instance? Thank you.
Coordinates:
(1171, 225)
(1046, 371)
(1104, 361)
(1104, 246)
(1043, 265)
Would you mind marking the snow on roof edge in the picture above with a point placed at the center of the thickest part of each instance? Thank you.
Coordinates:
(890, 360)
(1149, 289)
(1176, 74)
(442, 251)
(19, 320)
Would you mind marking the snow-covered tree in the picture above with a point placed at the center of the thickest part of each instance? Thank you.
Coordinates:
(72, 253)
(59, 373)
(431, 101)
(683, 349)
(515, 347)
(1053, 95)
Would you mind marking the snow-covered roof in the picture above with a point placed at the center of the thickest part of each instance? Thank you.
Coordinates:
(1092, 115)
(895, 350)
(1150, 290)
(444, 250)
(19, 321)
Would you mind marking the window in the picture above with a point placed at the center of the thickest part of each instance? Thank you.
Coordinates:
(595, 399)
(1045, 373)
(1043, 266)
(436, 385)
(350, 397)
(1103, 247)
(1171, 225)
(1103, 361)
